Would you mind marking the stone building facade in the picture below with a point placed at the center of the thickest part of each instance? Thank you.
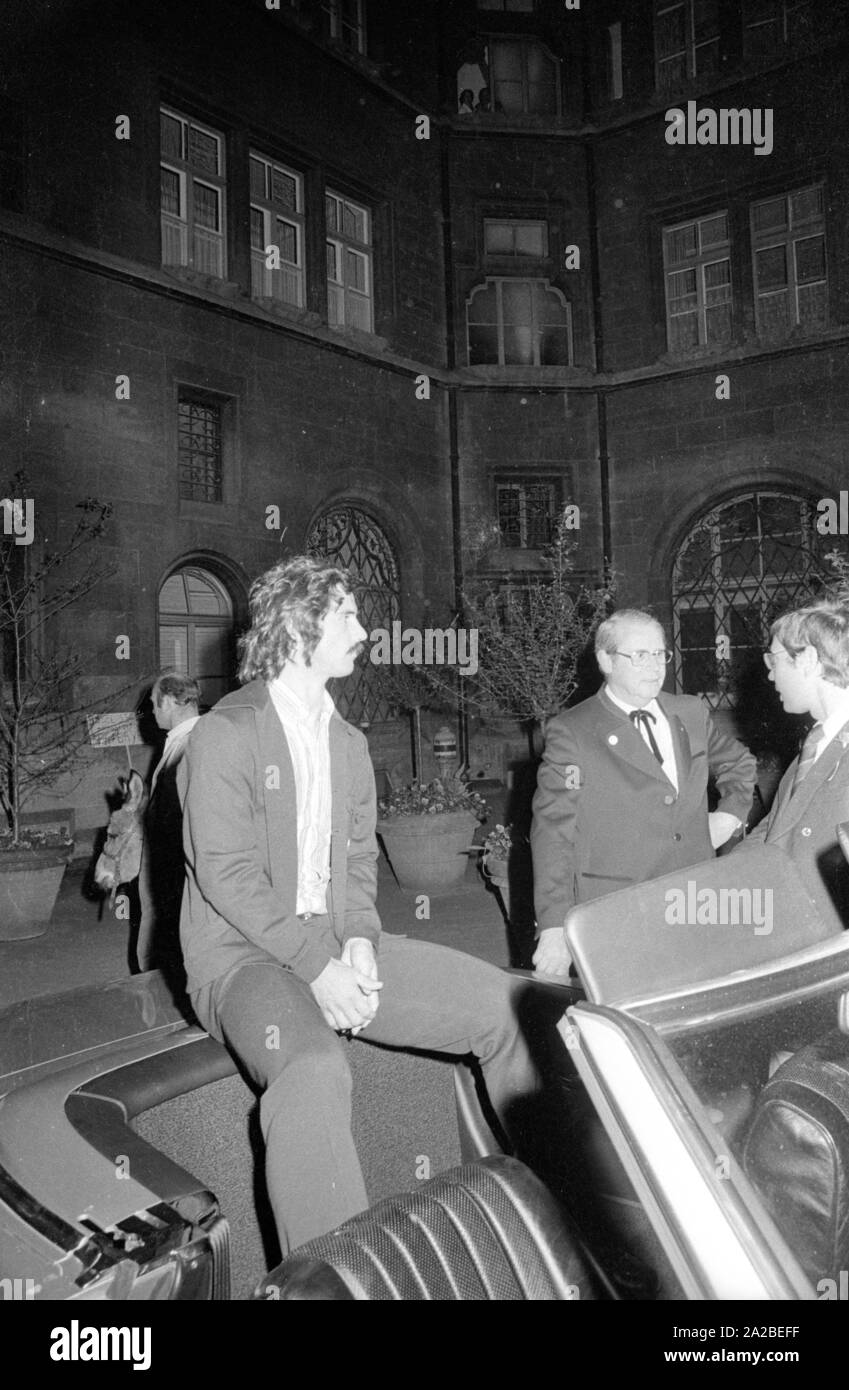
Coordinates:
(382, 278)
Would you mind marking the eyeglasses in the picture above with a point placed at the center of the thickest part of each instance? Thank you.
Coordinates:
(770, 658)
(643, 659)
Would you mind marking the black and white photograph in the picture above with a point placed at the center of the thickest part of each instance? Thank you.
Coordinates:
(424, 664)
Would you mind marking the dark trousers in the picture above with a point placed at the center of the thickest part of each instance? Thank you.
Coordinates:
(432, 998)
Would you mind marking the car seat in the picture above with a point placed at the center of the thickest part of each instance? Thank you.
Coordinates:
(483, 1232)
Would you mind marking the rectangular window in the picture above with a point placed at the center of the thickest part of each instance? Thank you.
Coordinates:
(199, 448)
(527, 512)
(697, 272)
(772, 25)
(277, 232)
(349, 264)
(345, 21)
(515, 238)
(192, 194)
(614, 62)
(686, 40)
(788, 246)
(524, 78)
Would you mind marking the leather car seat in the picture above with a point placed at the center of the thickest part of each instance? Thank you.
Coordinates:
(797, 1154)
(487, 1231)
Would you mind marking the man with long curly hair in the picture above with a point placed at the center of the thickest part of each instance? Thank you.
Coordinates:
(281, 936)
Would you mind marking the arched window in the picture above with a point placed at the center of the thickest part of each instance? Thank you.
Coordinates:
(196, 634)
(346, 536)
(524, 323)
(741, 566)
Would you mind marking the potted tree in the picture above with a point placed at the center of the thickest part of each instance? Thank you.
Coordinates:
(425, 828)
(41, 733)
(532, 636)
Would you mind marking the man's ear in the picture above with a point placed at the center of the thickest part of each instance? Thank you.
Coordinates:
(605, 662)
(808, 660)
(296, 650)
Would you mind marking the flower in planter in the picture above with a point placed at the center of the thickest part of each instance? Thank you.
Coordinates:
(498, 843)
(32, 838)
(433, 799)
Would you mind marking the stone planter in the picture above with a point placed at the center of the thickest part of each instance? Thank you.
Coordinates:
(497, 870)
(30, 880)
(428, 854)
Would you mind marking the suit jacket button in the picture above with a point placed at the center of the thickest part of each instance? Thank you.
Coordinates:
(669, 801)
(677, 835)
(806, 830)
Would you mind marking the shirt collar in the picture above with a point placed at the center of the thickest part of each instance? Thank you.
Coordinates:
(835, 722)
(285, 695)
(652, 707)
(181, 730)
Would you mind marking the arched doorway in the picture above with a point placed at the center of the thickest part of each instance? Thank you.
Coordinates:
(739, 567)
(196, 630)
(347, 536)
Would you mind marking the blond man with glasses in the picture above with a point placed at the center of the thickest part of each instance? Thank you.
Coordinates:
(622, 788)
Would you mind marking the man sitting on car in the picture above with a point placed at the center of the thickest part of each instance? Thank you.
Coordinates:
(281, 936)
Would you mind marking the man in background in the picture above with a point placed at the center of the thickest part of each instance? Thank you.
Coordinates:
(622, 788)
(175, 700)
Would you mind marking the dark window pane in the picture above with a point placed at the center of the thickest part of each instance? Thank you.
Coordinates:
(810, 259)
(483, 345)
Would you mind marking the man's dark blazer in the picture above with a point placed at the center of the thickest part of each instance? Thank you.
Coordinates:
(240, 835)
(803, 824)
(606, 815)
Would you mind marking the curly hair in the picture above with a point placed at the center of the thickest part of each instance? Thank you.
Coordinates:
(823, 626)
(288, 602)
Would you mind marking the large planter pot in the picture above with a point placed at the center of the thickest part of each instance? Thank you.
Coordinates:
(428, 854)
(30, 880)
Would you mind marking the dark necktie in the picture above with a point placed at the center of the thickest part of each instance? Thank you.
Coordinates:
(642, 720)
(808, 755)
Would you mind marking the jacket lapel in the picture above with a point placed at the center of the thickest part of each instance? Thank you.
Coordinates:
(794, 805)
(281, 807)
(624, 741)
(680, 745)
(339, 817)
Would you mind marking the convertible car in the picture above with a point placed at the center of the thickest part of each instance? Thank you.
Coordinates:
(703, 1099)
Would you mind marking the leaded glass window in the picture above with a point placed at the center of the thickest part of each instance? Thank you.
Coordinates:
(742, 565)
(199, 449)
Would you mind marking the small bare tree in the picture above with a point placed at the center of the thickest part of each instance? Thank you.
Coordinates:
(531, 638)
(41, 732)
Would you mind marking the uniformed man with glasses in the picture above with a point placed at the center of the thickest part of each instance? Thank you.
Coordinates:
(622, 788)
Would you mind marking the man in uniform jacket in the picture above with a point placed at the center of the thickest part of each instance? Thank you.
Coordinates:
(622, 788)
(808, 663)
(281, 937)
